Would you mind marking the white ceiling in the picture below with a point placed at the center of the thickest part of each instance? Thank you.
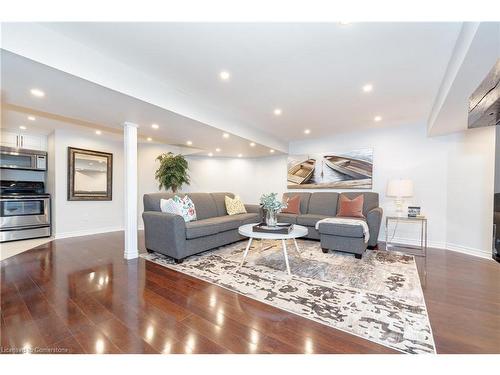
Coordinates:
(74, 102)
(476, 52)
(314, 72)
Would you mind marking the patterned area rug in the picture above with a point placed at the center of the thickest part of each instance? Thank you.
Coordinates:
(378, 297)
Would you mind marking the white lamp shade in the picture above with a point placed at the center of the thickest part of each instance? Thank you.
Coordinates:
(400, 188)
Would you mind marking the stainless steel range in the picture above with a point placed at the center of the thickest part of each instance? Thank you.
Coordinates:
(24, 210)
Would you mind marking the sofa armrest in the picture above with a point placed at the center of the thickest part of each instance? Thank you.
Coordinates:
(165, 233)
(254, 209)
(374, 220)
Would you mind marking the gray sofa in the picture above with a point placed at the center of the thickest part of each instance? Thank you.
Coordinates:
(170, 235)
(320, 205)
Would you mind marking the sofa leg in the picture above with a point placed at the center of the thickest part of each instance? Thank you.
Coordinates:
(324, 250)
(178, 261)
(358, 256)
(373, 247)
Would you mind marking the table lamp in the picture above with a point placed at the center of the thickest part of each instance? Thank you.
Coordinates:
(399, 189)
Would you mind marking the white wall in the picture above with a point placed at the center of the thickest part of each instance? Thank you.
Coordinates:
(73, 218)
(248, 178)
(471, 164)
(453, 179)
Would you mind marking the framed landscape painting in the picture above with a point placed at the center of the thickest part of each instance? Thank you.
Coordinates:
(351, 170)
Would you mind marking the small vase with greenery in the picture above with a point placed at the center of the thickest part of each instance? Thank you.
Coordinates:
(172, 173)
(272, 205)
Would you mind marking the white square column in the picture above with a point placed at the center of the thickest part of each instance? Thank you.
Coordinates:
(130, 185)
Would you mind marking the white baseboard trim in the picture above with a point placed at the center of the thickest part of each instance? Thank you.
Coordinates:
(469, 251)
(442, 245)
(86, 232)
(414, 242)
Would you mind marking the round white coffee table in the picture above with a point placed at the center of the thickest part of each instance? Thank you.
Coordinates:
(297, 231)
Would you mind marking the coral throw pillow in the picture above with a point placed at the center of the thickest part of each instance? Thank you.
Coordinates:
(234, 206)
(351, 207)
(293, 205)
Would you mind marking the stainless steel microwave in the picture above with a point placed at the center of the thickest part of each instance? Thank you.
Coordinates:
(20, 158)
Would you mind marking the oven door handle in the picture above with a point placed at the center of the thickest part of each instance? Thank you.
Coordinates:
(26, 198)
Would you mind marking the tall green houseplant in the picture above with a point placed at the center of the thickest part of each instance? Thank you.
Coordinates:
(172, 173)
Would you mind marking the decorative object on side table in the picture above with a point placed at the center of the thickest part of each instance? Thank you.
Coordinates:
(172, 173)
(272, 205)
(413, 211)
(399, 189)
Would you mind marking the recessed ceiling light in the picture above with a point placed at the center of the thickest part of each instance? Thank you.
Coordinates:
(344, 23)
(307, 131)
(240, 155)
(252, 144)
(224, 75)
(277, 111)
(150, 139)
(217, 149)
(225, 135)
(368, 87)
(37, 92)
(189, 143)
(31, 118)
(271, 151)
(98, 132)
(22, 127)
(377, 118)
(155, 126)
(210, 154)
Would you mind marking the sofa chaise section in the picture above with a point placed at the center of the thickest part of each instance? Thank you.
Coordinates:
(168, 234)
(319, 205)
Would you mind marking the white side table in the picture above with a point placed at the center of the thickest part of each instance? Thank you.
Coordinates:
(423, 233)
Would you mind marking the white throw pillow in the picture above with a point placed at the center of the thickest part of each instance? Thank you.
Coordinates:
(171, 206)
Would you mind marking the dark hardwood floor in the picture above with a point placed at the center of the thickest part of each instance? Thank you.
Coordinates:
(79, 295)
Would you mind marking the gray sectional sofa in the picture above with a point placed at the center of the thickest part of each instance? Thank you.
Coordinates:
(320, 205)
(170, 235)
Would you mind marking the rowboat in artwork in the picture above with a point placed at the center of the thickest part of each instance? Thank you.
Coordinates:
(355, 168)
(301, 172)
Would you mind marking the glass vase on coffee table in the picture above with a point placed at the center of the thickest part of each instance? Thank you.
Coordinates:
(272, 205)
(271, 218)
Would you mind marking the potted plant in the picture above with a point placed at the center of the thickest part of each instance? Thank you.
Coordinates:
(272, 205)
(172, 173)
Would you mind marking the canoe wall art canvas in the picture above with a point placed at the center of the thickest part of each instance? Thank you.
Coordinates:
(351, 170)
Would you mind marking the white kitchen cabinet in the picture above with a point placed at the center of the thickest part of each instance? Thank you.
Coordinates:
(9, 139)
(23, 140)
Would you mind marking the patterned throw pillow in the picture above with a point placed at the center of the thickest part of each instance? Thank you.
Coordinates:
(179, 206)
(234, 206)
(188, 209)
